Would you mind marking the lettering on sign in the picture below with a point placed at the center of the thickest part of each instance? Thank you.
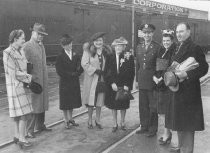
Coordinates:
(150, 5)
(162, 6)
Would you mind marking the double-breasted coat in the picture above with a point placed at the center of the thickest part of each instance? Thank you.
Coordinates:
(123, 77)
(15, 66)
(35, 54)
(90, 64)
(69, 71)
(185, 111)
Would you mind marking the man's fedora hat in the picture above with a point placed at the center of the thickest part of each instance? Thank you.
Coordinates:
(120, 41)
(35, 87)
(40, 28)
(97, 35)
(171, 81)
(147, 28)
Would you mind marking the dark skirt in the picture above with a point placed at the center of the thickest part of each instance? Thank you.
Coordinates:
(70, 96)
(111, 103)
(162, 99)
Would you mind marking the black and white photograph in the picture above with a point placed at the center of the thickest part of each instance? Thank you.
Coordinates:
(104, 76)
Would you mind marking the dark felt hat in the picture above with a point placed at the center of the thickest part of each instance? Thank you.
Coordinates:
(40, 28)
(66, 39)
(147, 28)
(97, 35)
(171, 81)
(35, 87)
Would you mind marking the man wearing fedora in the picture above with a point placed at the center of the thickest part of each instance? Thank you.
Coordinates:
(35, 54)
(146, 55)
(185, 112)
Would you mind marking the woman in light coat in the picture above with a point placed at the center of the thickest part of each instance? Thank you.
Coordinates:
(93, 62)
(15, 66)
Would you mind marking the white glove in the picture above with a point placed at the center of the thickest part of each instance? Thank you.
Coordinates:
(126, 88)
(155, 79)
(114, 87)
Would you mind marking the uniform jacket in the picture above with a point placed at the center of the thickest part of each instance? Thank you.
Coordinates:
(35, 54)
(124, 77)
(146, 64)
(90, 64)
(69, 86)
(19, 98)
(185, 111)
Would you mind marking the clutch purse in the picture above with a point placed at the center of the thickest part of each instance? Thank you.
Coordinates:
(123, 95)
(35, 87)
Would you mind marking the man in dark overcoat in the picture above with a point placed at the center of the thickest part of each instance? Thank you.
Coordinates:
(146, 55)
(185, 112)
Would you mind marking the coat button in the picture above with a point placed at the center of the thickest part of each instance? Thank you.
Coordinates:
(144, 66)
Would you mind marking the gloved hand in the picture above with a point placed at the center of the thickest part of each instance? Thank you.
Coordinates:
(114, 87)
(126, 88)
(98, 72)
(182, 75)
(155, 79)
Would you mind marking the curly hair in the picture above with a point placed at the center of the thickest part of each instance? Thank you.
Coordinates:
(15, 34)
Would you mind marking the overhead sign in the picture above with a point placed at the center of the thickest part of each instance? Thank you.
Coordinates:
(161, 6)
(148, 5)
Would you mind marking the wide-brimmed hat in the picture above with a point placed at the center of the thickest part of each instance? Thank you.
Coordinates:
(147, 28)
(35, 87)
(40, 28)
(171, 81)
(97, 35)
(66, 39)
(120, 41)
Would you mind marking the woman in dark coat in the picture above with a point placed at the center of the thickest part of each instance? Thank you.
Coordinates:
(162, 93)
(121, 75)
(69, 69)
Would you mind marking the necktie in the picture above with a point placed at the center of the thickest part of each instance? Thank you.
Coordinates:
(178, 48)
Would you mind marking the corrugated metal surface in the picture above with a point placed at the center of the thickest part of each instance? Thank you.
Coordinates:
(81, 21)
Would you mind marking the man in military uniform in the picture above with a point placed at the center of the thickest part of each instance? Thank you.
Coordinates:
(146, 55)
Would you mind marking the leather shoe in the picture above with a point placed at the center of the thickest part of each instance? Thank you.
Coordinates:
(151, 134)
(114, 129)
(141, 131)
(175, 149)
(30, 135)
(73, 123)
(45, 129)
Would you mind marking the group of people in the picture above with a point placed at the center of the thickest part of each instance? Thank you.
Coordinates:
(109, 72)
(175, 97)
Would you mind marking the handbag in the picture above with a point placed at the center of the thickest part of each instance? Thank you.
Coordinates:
(161, 64)
(123, 95)
(101, 87)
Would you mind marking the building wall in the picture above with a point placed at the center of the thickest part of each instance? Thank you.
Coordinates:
(197, 14)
